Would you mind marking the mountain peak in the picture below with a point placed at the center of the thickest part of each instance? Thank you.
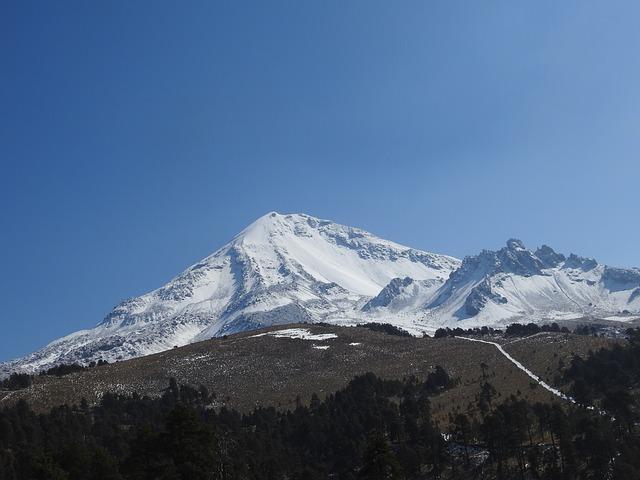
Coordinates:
(269, 219)
(275, 219)
(273, 223)
(282, 268)
(549, 257)
(581, 263)
(515, 244)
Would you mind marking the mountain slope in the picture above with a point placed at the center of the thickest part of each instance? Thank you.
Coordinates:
(517, 284)
(280, 269)
(296, 268)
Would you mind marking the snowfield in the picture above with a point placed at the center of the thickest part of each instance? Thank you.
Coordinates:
(298, 333)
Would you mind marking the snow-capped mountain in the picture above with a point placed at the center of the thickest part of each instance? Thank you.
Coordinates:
(297, 268)
(514, 283)
(281, 269)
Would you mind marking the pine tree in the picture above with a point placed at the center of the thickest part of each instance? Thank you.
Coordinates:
(379, 462)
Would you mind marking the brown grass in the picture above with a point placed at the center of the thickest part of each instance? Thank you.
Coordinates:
(248, 371)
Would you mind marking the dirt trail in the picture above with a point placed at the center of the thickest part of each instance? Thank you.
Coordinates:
(541, 382)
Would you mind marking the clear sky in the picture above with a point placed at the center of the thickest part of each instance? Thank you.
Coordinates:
(137, 137)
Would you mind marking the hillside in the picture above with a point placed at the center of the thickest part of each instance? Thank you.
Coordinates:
(272, 367)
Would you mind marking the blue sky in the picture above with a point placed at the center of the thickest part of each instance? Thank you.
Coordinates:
(137, 137)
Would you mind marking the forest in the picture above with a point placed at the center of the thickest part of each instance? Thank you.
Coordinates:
(513, 330)
(372, 429)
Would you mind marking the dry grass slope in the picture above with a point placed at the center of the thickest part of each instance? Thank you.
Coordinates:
(248, 371)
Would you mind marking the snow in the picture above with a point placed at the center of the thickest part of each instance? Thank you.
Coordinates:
(622, 318)
(321, 347)
(280, 269)
(560, 292)
(298, 333)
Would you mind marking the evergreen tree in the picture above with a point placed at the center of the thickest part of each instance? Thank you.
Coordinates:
(379, 462)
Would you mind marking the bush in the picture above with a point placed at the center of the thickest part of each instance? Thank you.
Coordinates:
(386, 328)
(17, 381)
(63, 369)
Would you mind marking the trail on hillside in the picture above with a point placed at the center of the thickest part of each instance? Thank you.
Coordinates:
(541, 382)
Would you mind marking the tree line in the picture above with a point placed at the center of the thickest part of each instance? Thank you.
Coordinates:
(513, 330)
(18, 381)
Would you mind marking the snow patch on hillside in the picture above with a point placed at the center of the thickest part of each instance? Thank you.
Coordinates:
(298, 333)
